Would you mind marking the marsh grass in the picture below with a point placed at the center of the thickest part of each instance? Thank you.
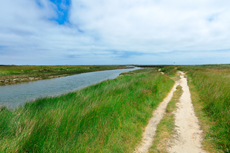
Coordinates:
(204, 121)
(10, 72)
(213, 86)
(169, 70)
(106, 117)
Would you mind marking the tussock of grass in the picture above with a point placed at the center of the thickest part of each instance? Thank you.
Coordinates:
(107, 117)
(213, 90)
(165, 128)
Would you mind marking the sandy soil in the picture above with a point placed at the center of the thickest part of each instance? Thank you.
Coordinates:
(188, 134)
(150, 130)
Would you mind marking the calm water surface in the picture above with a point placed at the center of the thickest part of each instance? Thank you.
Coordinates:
(18, 94)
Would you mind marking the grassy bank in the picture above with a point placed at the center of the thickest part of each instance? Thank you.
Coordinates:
(107, 117)
(212, 84)
(13, 74)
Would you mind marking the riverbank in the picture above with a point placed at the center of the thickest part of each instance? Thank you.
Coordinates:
(11, 74)
(106, 117)
(15, 95)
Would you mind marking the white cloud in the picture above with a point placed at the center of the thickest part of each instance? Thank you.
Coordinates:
(154, 27)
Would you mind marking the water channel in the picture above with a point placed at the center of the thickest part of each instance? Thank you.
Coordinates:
(12, 96)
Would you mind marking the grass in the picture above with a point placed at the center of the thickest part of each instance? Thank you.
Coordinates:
(106, 117)
(169, 70)
(165, 128)
(204, 120)
(212, 85)
(13, 73)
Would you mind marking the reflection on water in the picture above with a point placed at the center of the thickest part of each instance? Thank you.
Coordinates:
(17, 94)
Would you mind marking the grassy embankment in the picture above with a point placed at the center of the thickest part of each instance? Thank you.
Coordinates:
(107, 117)
(13, 74)
(210, 90)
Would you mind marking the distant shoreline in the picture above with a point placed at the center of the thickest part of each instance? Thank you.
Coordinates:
(12, 74)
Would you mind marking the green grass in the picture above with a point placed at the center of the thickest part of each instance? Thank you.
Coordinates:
(106, 117)
(205, 121)
(213, 85)
(169, 70)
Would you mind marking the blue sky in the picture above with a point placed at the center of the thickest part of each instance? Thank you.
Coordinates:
(54, 32)
(62, 11)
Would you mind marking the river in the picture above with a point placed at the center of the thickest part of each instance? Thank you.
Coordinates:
(15, 95)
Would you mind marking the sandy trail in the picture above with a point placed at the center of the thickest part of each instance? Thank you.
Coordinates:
(189, 136)
(150, 130)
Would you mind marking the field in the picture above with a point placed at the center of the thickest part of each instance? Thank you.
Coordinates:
(111, 116)
(13, 74)
(107, 117)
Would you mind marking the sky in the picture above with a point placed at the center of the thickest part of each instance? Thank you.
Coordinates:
(93, 32)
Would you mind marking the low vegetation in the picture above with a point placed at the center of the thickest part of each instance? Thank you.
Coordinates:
(212, 85)
(106, 117)
(13, 74)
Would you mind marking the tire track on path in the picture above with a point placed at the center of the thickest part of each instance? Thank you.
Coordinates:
(150, 129)
(188, 136)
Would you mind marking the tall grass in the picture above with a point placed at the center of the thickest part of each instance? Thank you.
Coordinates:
(213, 86)
(106, 117)
(169, 70)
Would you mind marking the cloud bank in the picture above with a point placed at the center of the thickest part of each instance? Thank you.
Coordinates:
(114, 32)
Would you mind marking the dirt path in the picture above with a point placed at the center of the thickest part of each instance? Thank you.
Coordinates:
(189, 136)
(153, 122)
